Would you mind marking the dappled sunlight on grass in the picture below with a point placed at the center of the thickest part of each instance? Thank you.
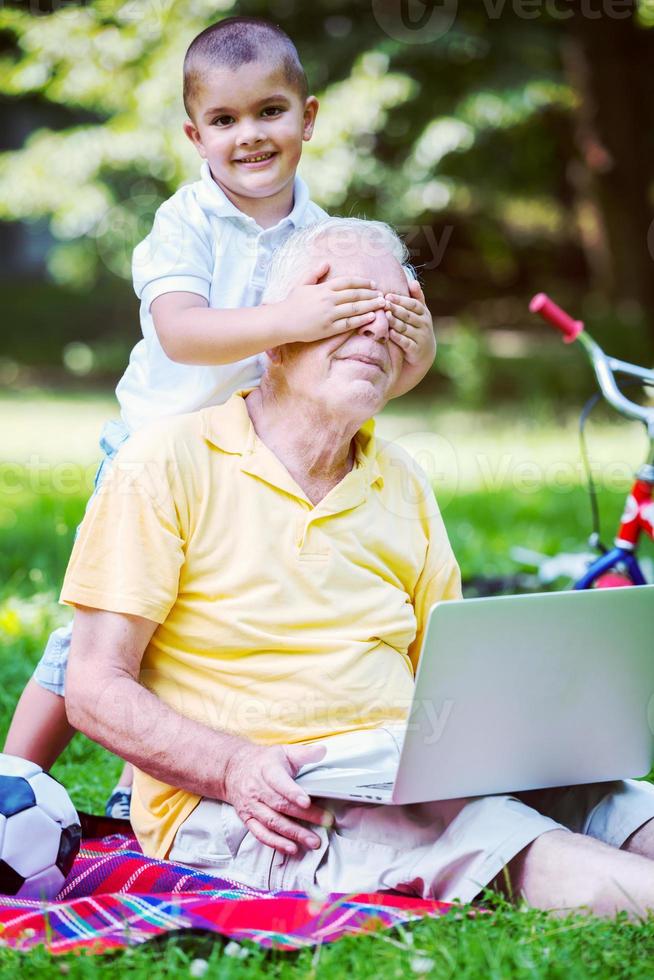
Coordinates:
(53, 427)
(512, 449)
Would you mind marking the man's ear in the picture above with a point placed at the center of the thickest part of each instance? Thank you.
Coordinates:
(310, 113)
(193, 134)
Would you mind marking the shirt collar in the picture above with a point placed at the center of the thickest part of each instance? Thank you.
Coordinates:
(216, 201)
(366, 452)
(228, 427)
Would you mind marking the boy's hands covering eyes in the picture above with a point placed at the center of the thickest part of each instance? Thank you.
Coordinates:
(315, 310)
(412, 329)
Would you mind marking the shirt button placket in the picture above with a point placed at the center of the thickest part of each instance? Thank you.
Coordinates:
(299, 533)
(261, 252)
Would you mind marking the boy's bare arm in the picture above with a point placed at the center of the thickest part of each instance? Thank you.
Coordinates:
(191, 332)
(106, 701)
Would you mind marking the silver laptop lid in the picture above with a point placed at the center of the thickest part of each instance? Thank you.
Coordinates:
(529, 691)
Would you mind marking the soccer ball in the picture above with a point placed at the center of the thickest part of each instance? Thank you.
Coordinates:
(40, 831)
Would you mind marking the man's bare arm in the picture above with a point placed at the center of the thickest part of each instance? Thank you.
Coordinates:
(106, 701)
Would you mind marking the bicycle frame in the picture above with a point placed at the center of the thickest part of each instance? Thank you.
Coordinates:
(637, 518)
(638, 515)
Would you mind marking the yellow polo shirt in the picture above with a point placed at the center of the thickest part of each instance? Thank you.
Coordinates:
(279, 620)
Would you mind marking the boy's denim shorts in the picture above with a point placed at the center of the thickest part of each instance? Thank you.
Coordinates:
(50, 671)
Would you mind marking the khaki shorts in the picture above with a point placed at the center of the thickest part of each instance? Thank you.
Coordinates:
(444, 850)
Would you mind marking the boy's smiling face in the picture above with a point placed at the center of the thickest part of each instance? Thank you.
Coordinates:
(249, 124)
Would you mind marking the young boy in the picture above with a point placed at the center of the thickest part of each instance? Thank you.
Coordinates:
(200, 274)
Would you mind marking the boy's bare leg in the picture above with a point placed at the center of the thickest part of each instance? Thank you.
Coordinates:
(560, 871)
(39, 730)
(641, 841)
(126, 777)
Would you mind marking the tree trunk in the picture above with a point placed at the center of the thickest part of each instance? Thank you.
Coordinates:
(610, 62)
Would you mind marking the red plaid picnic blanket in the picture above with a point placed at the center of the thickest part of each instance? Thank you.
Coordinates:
(116, 897)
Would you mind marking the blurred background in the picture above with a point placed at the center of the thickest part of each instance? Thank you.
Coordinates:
(510, 141)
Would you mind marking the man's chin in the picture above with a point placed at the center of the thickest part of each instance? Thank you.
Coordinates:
(365, 393)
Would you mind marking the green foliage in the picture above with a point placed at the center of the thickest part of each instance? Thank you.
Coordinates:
(40, 321)
(463, 359)
(646, 12)
(407, 132)
(462, 136)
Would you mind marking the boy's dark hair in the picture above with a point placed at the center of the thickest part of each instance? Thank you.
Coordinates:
(237, 41)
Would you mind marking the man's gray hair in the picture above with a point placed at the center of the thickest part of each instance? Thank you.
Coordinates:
(348, 237)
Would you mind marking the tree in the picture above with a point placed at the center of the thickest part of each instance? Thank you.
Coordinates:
(470, 126)
(609, 63)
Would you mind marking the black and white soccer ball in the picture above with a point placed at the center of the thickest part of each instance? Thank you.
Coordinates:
(40, 831)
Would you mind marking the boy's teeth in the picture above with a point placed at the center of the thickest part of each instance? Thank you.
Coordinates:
(262, 156)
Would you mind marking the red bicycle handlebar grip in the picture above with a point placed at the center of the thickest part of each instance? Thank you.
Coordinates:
(545, 307)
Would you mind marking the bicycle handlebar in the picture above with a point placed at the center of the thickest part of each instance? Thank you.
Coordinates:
(605, 367)
(553, 314)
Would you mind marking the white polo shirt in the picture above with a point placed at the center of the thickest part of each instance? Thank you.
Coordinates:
(200, 243)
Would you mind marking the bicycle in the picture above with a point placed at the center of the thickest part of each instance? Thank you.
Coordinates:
(604, 567)
(619, 565)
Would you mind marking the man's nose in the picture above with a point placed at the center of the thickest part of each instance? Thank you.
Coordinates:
(377, 329)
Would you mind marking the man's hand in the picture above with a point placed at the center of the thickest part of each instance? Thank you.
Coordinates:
(412, 329)
(315, 310)
(259, 784)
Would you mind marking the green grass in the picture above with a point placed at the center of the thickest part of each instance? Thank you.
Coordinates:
(522, 944)
(38, 514)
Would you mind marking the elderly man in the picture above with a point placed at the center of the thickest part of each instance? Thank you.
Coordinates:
(256, 577)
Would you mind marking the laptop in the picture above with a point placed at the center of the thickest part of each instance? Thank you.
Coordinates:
(513, 693)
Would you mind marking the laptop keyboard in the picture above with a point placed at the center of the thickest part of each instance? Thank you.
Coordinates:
(375, 786)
